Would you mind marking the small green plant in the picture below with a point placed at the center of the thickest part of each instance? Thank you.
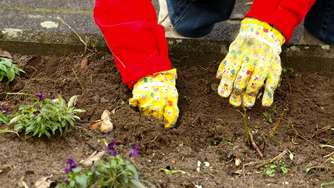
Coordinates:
(272, 169)
(5, 113)
(8, 70)
(111, 172)
(46, 117)
(269, 115)
(4, 119)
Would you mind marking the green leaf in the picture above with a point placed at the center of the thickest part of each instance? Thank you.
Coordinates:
(10, 75)
(82, 181)
(270, 170)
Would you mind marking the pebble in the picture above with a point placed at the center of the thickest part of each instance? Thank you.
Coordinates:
(104, 100)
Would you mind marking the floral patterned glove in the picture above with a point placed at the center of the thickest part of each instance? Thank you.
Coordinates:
(252, 61)
(157, 96)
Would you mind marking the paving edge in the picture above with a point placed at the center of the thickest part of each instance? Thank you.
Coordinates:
(304, 57)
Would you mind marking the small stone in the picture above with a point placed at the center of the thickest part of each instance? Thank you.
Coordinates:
(237, 162)
(104, 100)
(96, 98)
(325, 47)
(294, 48)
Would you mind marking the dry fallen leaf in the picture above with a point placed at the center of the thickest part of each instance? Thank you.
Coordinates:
(93, 158)
(95, 124)
(5, 54)
(106, 125)
(43, 182)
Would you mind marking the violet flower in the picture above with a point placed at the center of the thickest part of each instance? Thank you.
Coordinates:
(111, 148)
(135, 150)
(70, 165)
(5, 110)
(40, 96)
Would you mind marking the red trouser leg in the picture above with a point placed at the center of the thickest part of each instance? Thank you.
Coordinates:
(133, 35)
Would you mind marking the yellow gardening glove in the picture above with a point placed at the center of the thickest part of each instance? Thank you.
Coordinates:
(157, 96)
(252, 61)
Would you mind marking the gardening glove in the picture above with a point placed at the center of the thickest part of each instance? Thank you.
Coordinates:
(157, 96)
(252, 61)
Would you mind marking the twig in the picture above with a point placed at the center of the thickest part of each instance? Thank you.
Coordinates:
(301, 136)
(26, 94)
(277, 124)
(77, 78)
(254, 144)
(76, 33)
(277, 158)
(326, 146)
(248, 133)
(328, 155)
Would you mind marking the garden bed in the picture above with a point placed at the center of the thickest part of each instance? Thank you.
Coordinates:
(210, 130)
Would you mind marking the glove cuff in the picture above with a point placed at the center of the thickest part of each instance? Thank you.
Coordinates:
(251, 27)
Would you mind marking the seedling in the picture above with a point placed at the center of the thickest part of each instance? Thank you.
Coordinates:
(279, 167)
(8, 70)
(46, 117)
(4, 119)
(269, 115)
(112, 171)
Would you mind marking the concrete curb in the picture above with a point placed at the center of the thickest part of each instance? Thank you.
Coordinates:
(318, 58)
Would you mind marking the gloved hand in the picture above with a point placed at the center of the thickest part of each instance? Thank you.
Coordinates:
(252, 61)
(157, 96)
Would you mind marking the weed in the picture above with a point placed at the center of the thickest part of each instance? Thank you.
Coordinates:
(269, 115)
(46, 117)
(278, 167)
(8, 70)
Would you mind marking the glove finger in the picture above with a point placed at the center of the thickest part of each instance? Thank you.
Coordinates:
(255, 84)
(235, 98)
(133, 102)
(171, 113)
(272, 82)
(231, 56)
(222, 66)
(228, 76)
(241, 82)
(244, 75)
(154, 111)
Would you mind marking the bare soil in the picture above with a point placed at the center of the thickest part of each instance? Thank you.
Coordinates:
(210, 130)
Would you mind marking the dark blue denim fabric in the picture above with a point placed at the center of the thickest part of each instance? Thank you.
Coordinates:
(196, 18)
(320, 20)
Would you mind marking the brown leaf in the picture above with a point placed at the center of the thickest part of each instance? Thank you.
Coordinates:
(95, 124)
(43, 182)
(93, 158)
(5, 54)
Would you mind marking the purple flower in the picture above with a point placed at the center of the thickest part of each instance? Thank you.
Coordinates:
(135, 150)
(70, 165)
(111, 148)
(66, 181)
(5, 110)
(40, 96)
